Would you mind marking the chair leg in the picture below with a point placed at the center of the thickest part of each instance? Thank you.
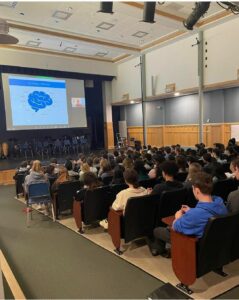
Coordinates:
(53, 213)
(220, 272)
(28, 216)
(184, 288)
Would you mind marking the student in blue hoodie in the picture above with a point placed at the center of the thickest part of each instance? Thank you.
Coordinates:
(192, 221)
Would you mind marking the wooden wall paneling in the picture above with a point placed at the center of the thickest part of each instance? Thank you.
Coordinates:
(109, 135)
(136, 133)
(155, 136)
(6, 177)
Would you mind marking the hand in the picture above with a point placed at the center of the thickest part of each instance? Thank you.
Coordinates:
(185, 208)
(149, 190)
(178, 214)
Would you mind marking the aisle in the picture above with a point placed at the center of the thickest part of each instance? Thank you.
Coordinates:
(51, 261)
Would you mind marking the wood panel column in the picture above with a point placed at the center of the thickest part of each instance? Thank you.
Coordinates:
(107, 109)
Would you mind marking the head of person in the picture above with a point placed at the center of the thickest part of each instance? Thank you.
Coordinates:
(181, 163)
(118, 174)
(90, 180)
(234, 167)
(50, 170)
(24, 164)
(207, 158)
(36, 166)
(216, 153)
(131, 178)
(128, 163)
(169, 169)
(62, 175)
(139, 166)
(85, 167)
(68, 165)
(194, 168)
(202, 185)
(53, 161)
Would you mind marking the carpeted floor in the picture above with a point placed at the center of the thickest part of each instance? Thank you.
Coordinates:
(51, 261)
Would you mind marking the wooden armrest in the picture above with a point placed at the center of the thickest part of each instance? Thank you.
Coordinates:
(168, 220)
(184, 257)
(114, 228)
(77, 214)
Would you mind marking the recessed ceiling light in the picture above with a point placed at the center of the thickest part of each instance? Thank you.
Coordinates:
(105, 25)
(69, 49)
(176, 94)
(101, 54)
(62, 15)
(140, 34)
(132, 102)
(9, 4)
(33, 43)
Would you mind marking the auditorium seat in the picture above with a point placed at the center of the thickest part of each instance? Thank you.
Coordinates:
(181, 176)
(19, 181)
(96, 204)
(148, 183)
(169, 203)
(138, 220)
(193, 257)
(63, 198)
(223, 188)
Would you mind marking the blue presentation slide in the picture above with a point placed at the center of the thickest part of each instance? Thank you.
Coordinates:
(38, 101)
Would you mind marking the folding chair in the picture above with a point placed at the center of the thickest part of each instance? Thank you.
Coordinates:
(38, 193)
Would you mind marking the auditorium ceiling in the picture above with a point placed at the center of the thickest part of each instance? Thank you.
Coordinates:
(77, 29)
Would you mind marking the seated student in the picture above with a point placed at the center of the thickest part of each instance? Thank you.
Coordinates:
(134, 190)
(118, 175)
(63, 176)
(36, 175)
(156, 172)
(71, 172)
(91, 182)
(192, 221)
(233, 197)
(169, 170)
(140, 169)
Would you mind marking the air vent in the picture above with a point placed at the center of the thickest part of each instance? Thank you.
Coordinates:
(8, 4)
(105, 25)
(33, 43)
(61, 15)
(140, 34)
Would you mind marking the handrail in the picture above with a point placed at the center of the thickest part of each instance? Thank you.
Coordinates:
(10, 278)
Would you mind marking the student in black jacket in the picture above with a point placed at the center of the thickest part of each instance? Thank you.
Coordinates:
(169, 171)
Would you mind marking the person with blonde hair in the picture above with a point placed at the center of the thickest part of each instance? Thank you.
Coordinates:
(36, 175)
(84, 168)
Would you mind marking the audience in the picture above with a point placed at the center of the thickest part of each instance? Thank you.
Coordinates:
(36, 175)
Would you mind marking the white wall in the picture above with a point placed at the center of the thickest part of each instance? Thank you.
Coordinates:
(53, 62)
(174, 63)
(128, 80)
(223, 52)
(178, 63)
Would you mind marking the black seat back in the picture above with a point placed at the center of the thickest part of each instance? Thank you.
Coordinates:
(147, 183)
(214, 248)
(235, 242)
(116, 188)
(66, 193)
(139, 218)
(170, 202)
(107, 180)
(19, 180)
(223, 188)
(181, 176)
(97, 203)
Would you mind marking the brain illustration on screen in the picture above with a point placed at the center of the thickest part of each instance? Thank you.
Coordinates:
(39, 100)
